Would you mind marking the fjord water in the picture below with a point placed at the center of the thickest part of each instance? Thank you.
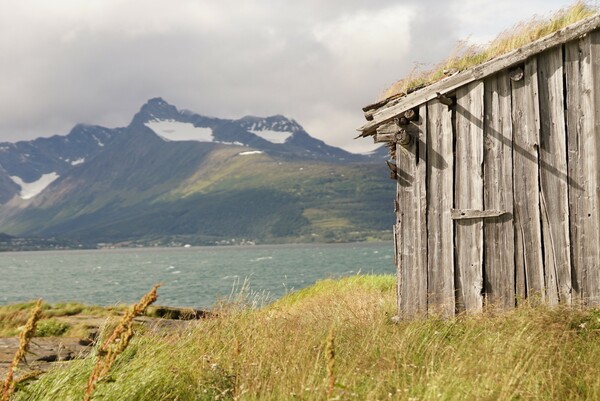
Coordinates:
(195, 277)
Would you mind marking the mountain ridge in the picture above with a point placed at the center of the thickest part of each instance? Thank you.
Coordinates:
(173, 173)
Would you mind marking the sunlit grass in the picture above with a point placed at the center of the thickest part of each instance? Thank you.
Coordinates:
(13, 316)
(325, 220)
(279, 352)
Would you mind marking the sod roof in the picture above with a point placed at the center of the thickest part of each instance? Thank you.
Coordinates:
(471, 63)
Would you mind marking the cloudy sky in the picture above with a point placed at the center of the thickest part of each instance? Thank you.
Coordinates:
(97, 61)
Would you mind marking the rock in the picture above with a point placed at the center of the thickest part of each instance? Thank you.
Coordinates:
(43, 352)
(169, 312)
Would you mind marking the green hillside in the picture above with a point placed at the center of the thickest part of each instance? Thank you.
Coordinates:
(227, 196)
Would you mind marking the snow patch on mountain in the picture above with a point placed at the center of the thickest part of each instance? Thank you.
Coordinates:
(98, 141)
(78, 161)
(236, 143)
(273, 136)
(31, 189)
(171, 130)
(251, 152)
(275, 123)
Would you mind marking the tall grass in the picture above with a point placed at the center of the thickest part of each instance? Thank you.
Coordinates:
(465, 56)
(24, 341)
(117, 342)
(280, 352)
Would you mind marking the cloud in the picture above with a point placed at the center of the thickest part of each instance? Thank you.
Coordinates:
(97, 61)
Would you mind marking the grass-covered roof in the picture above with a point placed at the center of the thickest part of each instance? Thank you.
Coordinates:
(470, 63)
(465, 56)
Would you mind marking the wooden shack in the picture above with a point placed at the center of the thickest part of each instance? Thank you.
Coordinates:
(498, 179)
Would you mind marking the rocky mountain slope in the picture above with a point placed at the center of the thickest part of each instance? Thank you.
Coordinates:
(174, 175)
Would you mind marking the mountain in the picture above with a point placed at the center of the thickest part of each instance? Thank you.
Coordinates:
(30, 161)
(174, 175)
(276, 134)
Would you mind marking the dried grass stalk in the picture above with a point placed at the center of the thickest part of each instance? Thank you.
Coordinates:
(117, 342)
(24, 339)
(330, 353)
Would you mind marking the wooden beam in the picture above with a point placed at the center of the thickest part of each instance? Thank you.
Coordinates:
(516, 74)
(387, 132)
(391, 127)
(393, 132)
(410, 115)
(398, 106)
(378, 138)
(466, 214)
(444, 99)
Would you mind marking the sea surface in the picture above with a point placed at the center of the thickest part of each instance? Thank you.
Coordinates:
(196, 277)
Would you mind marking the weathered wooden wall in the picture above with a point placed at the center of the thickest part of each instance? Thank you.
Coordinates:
(499, 193)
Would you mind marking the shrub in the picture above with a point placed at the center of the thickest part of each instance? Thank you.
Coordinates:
(51, 328)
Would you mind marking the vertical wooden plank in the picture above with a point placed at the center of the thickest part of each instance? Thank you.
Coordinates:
(554, 196)
(592, 168)
(399, 237)
(469, 195)
(528, 237)
(403, 220)
(420, 214)
(440, 189)
(572, 66)
(395, 232)
(398, 258)
(397, 261)
(583, 116)
(412, 229)
(499, 257)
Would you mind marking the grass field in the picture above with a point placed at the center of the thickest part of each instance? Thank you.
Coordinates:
(339, 332)
(54, 318)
